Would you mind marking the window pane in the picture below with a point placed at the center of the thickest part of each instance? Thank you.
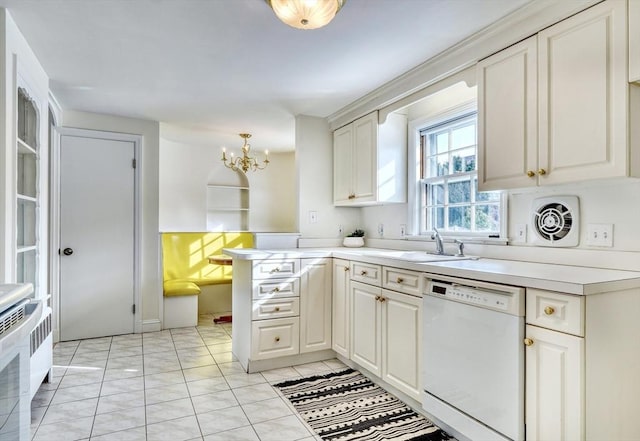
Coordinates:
(487, 217)
(459, 192)
(442, 141)
(435, 194)
(464, 136)
(439, 165)
(459, 218)
(437, 217)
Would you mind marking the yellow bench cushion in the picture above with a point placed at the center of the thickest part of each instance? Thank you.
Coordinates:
(185, 259)
(180, 288)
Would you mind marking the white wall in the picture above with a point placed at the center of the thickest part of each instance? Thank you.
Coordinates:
(150, 284)
(187, 164)
(314, 160)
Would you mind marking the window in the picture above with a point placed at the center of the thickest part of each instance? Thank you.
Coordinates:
(448, 181)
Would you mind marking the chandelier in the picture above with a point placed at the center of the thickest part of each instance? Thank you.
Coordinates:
(306, 14)
(245, 162)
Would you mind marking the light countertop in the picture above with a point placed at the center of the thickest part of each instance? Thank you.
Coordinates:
(562, 278)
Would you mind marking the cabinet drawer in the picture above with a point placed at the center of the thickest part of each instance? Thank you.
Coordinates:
(366, 273)
(275, 338)
(267, 269)
(560, 312)
(275, 308)
(270, 289)
(408, 282)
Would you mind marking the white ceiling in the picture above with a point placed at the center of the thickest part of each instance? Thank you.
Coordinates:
(216, 68)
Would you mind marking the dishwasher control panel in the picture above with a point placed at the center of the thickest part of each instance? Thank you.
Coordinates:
(505, 299)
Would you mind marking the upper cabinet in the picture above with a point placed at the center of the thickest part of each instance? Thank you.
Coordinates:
(634, 41)
(369, 161)
(555, 107)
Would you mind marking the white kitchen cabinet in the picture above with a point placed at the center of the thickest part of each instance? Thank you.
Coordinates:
(583, 103)
(401, 341)
(386, 334)
(507, 117)
(554, 385)
(366, 327)
(315, 304)
(582, 365)
(340, 308)
(369, 161)
(634, 41)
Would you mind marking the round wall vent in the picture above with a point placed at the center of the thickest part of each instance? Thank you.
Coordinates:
(556, 221)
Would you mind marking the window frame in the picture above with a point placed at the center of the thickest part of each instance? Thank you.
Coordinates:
(416, 194)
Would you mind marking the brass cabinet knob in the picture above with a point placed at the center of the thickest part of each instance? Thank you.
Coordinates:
(346, 268)
(277, 339)
(549, 310)
(399, 280)
(378, 298)
(275, 270)
(277, 308)
(528, 342)
(276, 289)
(352, 196)
(531, 173)
(363, 273)
(382, 300)
(542, 171)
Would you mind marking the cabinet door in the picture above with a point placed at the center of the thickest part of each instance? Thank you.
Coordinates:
(365, 157)
(583, 96)
(554, 385)
(340, 307)
(507, 118)
(343, 165)
(402, 341)
(315, 303)
(366, 329)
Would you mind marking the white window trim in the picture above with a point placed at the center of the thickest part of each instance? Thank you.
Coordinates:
(413, 171)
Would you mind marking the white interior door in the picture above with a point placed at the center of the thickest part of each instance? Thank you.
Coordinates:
(97, 219)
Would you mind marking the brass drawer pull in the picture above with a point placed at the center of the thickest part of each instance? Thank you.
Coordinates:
(549, 310)
(542, 171)
(528, 342)
(277, 308)
(275, 270)
(363, 273)
(277, 339)
(531, 173)
(399, 280)
(276, 289)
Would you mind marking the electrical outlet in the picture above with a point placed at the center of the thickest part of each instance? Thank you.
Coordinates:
(403, 230)
(381, 230)
(521, 233)
(600, 235)
(313, 217)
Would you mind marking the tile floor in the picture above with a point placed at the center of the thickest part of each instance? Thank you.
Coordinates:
(182, 384)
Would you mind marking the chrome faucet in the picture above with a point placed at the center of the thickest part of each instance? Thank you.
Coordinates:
(436, 236)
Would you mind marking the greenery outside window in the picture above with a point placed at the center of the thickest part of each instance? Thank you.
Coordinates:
(448, 184)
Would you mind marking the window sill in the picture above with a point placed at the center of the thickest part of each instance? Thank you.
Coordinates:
(466, 239)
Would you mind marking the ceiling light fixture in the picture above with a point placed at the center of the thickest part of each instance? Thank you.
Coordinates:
(306, 14)
(245, 162)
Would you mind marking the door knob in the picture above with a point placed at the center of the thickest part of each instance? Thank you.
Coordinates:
(67, 251)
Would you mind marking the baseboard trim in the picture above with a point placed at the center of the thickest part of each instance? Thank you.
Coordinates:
(290, 360)
(153, 325)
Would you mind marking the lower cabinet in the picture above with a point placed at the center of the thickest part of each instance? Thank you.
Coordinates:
(275, 338)
(555, 385)
(386, 335)
(340, 305)
(315, 305)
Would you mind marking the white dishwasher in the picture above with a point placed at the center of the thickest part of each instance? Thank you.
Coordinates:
(474, 357)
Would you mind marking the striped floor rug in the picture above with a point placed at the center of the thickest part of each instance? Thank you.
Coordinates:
(347, 406)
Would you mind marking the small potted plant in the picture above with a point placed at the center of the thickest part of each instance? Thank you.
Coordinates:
(355, 239)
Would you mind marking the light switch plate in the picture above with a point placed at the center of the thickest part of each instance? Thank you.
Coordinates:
(521, 233)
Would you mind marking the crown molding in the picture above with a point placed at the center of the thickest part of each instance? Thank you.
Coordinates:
(520, 24)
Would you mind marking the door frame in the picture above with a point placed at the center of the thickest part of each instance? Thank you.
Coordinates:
(55, 218)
